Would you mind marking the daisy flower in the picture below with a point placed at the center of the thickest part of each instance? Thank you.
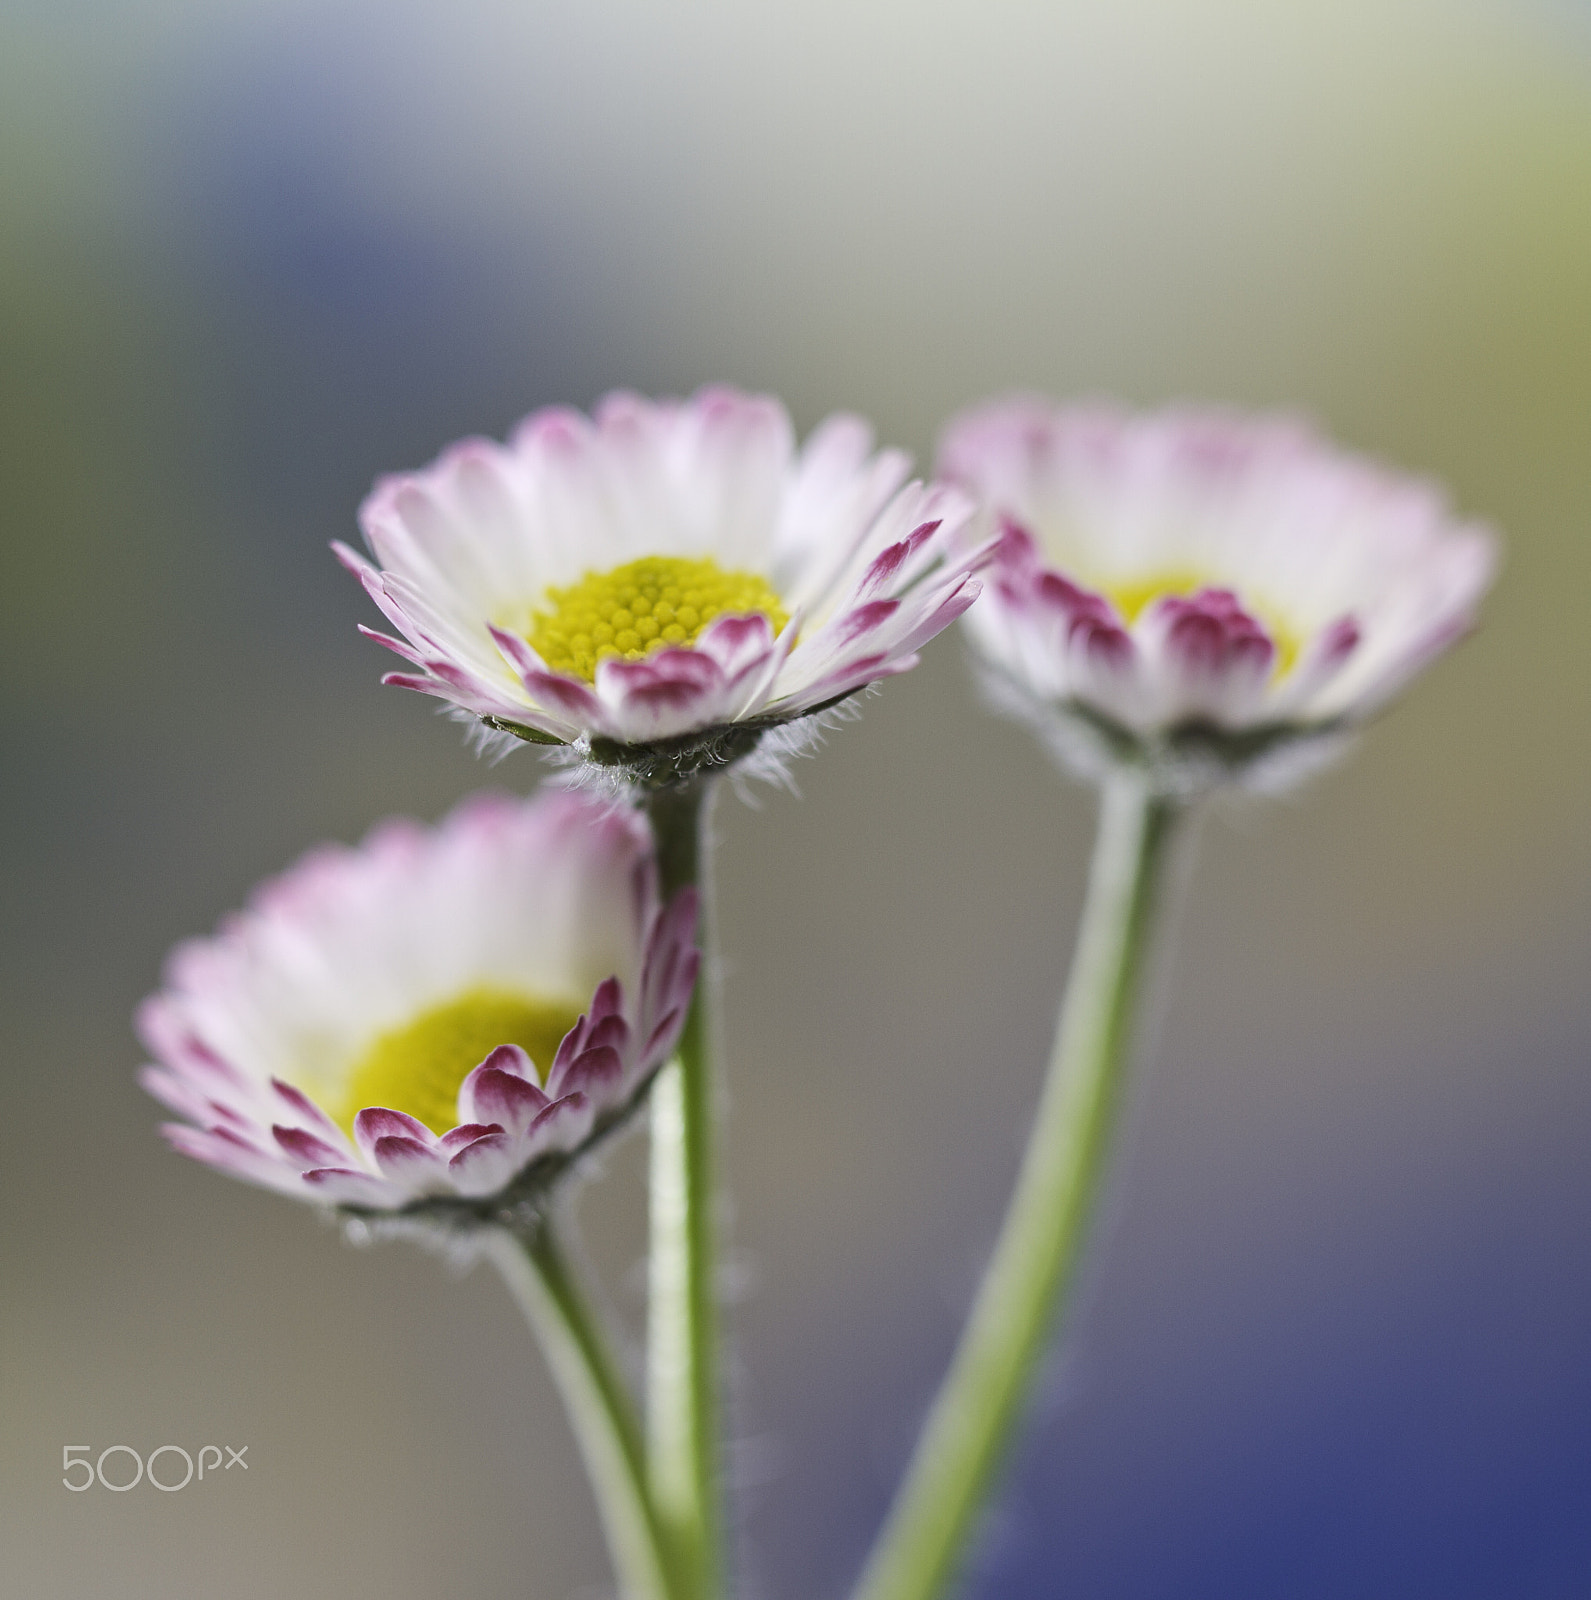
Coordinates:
(665, 579)
(441, 1014)
(1196, 589)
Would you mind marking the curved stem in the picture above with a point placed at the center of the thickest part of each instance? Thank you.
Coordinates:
(683, 1402)
(970, 1424)
(599, 1406)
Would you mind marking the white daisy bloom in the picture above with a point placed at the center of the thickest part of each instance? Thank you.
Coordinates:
(440, 1013)
(662, 571)
(1198, 581)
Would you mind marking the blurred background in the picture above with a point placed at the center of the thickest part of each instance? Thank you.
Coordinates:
(1335, 1336)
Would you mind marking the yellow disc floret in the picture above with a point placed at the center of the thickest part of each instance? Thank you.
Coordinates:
(643, 606)
(1133, 596)
(418, 1068)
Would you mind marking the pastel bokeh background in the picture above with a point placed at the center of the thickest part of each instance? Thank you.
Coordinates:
(1336, 1338)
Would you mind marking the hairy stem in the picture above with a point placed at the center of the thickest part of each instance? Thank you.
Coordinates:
(599, 1405)
(683, 1401)
(970, 1424)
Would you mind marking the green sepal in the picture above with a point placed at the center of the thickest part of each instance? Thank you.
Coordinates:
(522, 730)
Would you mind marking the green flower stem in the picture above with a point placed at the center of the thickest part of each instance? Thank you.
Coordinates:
(596, 1399)
(965, 1437)
(683, 1402)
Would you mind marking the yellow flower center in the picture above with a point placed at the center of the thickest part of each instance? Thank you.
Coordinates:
(1133, 597)
(643, 606)
(418, 1068)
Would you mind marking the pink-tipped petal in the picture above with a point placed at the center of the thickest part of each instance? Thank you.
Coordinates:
(562, 1125)
(665, 1032)
(891, 563)
(376, 1123)
(304, 1150)
(590, 1072)
(611, 1032)
(408, 1162)
(505, 1098)
(483, 1165)
(455, 1139)
(514, 1059)
(236, 1159)
(865, 619)
(310, 1115)
(738, 644)
(177, 1094)
(608, 999)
